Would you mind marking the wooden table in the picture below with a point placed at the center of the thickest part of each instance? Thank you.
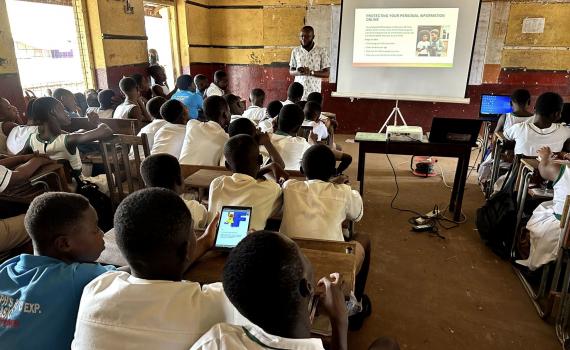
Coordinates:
(376, 143)
(326, 257)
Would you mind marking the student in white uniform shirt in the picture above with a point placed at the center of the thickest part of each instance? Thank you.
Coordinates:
(294, 93)
(247, 187)
(160, 87)
(153, 109)
(106, 104)
(270, 281)
(312, 119)
(237, 106)
(269, 122)
(9, 119)
(219, 85)
(256, 112)
(544, 225)
(152, 307)
(170, 137)
(204, 141)
(290, 146)
(545, 130)
(163, 170)
(132, 108)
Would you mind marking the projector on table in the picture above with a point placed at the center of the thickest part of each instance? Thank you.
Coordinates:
(404, 133)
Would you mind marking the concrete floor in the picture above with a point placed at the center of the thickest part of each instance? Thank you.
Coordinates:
(431, 293)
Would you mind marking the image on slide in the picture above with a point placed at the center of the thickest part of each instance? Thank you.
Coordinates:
(433, 41)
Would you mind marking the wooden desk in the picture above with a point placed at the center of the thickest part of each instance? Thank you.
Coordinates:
(202, 178)
(119, 126)
(325, 257)
(369, 143)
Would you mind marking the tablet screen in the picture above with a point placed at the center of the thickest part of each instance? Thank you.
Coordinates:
(233, 227)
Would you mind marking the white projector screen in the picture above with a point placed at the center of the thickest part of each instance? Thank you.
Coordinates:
(416, 50)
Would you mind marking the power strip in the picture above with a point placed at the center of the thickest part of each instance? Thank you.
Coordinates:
(422, 220)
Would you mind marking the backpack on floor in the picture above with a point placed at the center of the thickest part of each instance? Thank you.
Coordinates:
(99, 201)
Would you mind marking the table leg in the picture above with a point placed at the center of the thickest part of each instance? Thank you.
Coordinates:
(360, 174)
(456, 184)
(461, 185)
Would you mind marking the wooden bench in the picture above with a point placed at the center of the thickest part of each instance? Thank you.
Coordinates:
(119, 126)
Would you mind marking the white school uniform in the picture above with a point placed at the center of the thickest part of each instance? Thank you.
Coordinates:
(56, 149)
(214, 90)
(266, 125)
(255, 113)
(224, 336)
(529, 138)
(241, 190)
(544, 225)
(169, 139)
(198, 211)
(203, 143)
(321, 207)
(287, 102)
(319, 129)
(18, 137)
(122, 111)
(119, 311)
(5, 176)
(291, 149)
(512, 119)
(150, 130)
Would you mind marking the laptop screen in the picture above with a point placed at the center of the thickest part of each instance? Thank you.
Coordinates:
(495, 105)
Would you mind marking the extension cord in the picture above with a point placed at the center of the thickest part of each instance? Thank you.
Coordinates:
(433, 213)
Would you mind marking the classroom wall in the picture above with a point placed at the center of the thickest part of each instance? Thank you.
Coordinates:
(252, 41)
(10, 87)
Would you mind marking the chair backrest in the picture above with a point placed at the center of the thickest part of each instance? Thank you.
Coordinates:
(119, 126)
(565, 223)
(119, 168)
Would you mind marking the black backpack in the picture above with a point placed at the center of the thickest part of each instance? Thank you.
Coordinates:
(99, 201)
(496, 220)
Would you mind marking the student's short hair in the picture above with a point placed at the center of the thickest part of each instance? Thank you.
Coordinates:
(262, 279)
(214, 106)
(239, 149)
(127, 84)
(313, 107)
(184, 82)
(548, 104)
(242, 126)
(139, 78)
(60, 92)
(308, 28)
(295, 91)
(315, 97)
(219, 75)
(435, 31)
(153, 106)
(231, 99)
(274, 107)
(92, 98)
(105, 98)
(30, 108)
(200, 77)
(161, 170)
(149, 221)
(521, 97)
(319, 163)
(42, 106)
(290, 118)
(154, 69)
(257, 93)
(172, 110)
(52, 214)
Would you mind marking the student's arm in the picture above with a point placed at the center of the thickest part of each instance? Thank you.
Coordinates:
(138, 113)
(325, 73)
(11, 162)
(171, 93)
(206, 241)
(24, 172)
(277, 171)
(501, 123)
(264, 140)
(335, 306)
(345, 160)
(100, 132)
(145, 116)
(548, 169)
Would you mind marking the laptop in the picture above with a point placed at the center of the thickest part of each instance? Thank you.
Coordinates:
(493, 106)
(454, 130)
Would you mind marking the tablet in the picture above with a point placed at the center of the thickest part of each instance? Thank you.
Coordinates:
(233, 227)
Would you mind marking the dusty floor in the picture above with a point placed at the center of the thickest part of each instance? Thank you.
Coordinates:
(431, 293)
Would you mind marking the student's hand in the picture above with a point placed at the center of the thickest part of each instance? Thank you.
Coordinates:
(333, 298)
(106, 131)
(544, 153)
(341, 180)
(263, 138)
(209, 236)
(93, 118)
(279, 173)
(313, 138)
(304, 70)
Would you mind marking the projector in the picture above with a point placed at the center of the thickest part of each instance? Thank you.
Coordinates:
(404, 133)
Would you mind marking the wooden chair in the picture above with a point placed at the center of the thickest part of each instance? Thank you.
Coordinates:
(119, 169)
(119, 126)
(562, 270)
(501, 144)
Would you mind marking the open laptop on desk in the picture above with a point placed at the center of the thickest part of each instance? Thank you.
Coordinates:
(493, 106)
(452, 130)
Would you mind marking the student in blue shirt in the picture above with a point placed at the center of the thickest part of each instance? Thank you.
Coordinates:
(40, 293)
(187, 95)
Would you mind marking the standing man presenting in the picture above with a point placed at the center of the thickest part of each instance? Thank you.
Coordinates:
(309, 62)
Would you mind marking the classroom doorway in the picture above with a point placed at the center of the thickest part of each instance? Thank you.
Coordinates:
(46, 42)
(160, 31)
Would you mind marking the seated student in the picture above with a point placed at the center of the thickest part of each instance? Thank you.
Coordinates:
(256, 112)
(153, 109)
(322, 206)
(153, 307)
(544, 225)
(270, 281)
(144, 88)
(106, 104)
(53, 142)
(312, 119)
(46, 287)
(244, 126)
(544, 130)
(132, 108)
(290, 146)
(67, 98)
(201, 83)
(188, 96)
(81, 102)
(19, 135)
(246, 187)
(269, 122)
(169, 138)
(92, 100)
(219, 85)
(9, 119)
(16, 171)
(160, 87)
(204, 141)
(294, 93)
(237, 106)
(163, 170)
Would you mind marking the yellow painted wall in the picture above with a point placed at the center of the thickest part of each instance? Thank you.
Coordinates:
(8, 62)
